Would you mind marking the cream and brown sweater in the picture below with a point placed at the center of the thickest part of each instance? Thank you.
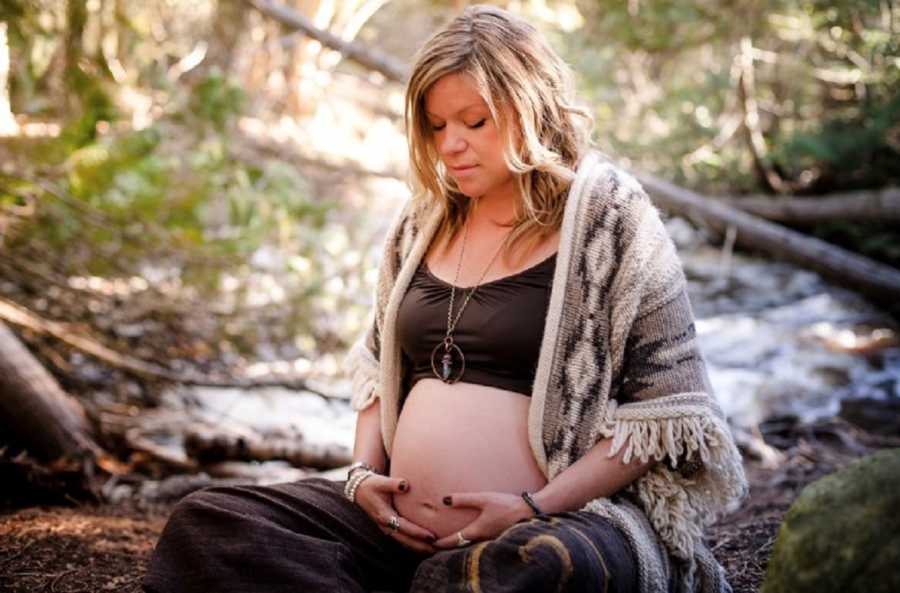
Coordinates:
(619, 358)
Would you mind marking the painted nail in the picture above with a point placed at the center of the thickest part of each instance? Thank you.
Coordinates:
(448, 501)
(403, 486)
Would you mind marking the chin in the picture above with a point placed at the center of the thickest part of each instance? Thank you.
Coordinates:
(473, 193)
(469, 194)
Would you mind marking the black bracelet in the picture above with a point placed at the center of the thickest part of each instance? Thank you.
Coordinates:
(530, 501)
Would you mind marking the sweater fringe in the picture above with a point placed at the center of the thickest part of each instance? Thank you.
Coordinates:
(678, 506)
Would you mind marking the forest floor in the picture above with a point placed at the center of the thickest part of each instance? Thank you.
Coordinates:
(106, 548)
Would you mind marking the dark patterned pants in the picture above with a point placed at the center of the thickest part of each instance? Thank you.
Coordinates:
(305, 536)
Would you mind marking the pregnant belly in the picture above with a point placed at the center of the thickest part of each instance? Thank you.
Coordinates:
(460, 438)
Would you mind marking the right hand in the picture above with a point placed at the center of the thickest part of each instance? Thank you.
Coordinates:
(375, 495)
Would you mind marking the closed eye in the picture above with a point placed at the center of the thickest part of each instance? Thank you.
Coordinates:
(476, 125)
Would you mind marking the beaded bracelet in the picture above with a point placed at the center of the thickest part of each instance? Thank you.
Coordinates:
(350, 485)
(353, 483)
(534, 507)
(358, 466)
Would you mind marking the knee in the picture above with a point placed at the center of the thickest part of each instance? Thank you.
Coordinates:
(537, 542)
(543, 547)
(204, 498)
(213, 503)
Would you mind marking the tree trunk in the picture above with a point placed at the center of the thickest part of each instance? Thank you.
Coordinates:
(862, 206)
(76, 20)
(35, 411)
(878, 282)
(227, 27)
(8, 125)
(208, 445)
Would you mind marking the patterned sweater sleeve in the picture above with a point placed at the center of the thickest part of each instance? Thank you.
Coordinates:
(663, 366)
(665, 408)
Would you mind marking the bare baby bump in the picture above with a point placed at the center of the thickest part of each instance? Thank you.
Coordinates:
(460, 438)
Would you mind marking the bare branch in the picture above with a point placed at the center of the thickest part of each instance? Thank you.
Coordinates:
(370, 58)
(756, 142)
(66, 333)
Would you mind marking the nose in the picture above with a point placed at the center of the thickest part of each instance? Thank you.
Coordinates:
(452, 141)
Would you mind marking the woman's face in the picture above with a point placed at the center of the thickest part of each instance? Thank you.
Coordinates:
(467, 139)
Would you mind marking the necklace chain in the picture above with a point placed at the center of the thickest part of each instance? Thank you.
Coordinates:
(449, 346)
(451, 325)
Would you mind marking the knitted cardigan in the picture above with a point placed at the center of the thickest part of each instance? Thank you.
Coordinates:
(618, 358)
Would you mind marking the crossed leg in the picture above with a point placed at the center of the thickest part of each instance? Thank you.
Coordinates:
(281, 538)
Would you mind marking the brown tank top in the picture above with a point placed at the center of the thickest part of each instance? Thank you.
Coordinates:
(499, 332)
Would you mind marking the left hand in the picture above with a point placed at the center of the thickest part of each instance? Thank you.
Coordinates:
(497, 511)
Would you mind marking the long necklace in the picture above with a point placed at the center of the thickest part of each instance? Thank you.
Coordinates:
(450, 347)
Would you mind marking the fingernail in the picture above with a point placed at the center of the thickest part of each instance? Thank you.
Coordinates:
(403, 486)
(448, 500)
(432, 538)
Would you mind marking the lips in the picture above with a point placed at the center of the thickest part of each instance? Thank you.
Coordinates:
(462, 168)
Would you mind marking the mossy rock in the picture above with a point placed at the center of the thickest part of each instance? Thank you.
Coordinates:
(842, 534)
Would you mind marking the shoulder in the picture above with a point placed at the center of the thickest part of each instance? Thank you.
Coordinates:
(407, 221)
(613, 199)
(613, 186)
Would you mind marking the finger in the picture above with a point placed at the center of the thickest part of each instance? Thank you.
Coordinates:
(411, 529)
(413, 543)
(387, 484)
(466, 500)
(452, 540)
(407, 527)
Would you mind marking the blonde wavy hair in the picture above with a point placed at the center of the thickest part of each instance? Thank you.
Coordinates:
(514, 66)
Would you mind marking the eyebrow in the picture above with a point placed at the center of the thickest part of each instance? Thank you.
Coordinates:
(463, 110)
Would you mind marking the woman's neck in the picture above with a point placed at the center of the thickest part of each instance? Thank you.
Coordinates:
(496, 211)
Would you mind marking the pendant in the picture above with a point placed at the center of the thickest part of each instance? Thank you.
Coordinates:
(447, 363)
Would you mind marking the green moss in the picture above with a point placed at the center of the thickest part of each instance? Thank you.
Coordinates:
(842, 533)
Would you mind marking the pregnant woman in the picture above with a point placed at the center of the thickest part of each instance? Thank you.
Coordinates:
(533, 410)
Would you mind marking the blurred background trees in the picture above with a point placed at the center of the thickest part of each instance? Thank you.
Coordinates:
(778, 97)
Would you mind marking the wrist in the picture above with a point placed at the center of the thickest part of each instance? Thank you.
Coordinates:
(353, 483)
(534, 509)
(523, 511)
(358, 466)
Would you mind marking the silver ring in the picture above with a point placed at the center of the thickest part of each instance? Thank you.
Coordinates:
(461, 541)
(394, 522)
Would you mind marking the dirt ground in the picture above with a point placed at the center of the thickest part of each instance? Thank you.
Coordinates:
(93, 549)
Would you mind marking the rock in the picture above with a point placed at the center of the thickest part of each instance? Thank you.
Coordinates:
(842, 534)
(879, 416)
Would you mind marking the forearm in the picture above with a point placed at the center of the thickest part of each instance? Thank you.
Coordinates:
(592, 476)
(368, 445)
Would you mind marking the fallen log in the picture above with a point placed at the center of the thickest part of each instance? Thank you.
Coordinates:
(34, 410)
(140, 439)
(208, 446)
(861, 206)
(878, 282)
